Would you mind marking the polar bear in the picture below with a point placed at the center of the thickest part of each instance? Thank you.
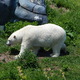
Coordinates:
(34, 37)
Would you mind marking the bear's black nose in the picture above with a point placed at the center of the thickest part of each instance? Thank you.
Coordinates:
(8, 44)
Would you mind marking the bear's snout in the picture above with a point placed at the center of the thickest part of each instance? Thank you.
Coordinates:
(8, 43)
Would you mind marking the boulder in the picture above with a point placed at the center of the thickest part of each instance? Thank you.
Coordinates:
(2, 27)
(35, 6)
(39, 9)
(32, 10)
(27, 4)
(39, 2)
(6, 2)
(27, 15)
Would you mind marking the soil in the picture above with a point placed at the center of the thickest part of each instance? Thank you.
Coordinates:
(64, 10)
(6, 57)
(9, 56)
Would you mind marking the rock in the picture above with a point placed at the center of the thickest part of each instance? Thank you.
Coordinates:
(6, 2)
(27, 4)
(27, 15)
(32, 10)
(32, 6)
(44, 19)
(38, 2)
(39, 9)
(2, 27)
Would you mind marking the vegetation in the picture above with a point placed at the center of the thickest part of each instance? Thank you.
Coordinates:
(65, 13)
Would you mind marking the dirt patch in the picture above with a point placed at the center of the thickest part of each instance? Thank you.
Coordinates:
(4, 57)
(8, 56)
(62, 9)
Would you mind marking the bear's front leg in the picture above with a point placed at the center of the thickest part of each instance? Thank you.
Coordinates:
(24, 46)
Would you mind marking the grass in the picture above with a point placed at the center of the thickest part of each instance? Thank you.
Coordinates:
(3, 47)
(65, 13)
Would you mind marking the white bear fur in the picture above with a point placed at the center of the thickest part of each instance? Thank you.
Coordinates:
(34, 37)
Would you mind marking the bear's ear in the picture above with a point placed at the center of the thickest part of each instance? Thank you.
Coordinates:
(15, 37)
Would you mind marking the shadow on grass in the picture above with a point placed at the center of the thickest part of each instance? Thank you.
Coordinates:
(41, 53)
(14, 51)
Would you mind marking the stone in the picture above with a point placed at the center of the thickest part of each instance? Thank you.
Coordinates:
(25, 14)
(38, 2)
(27, 4)
(2, 27)
(35, 7)
(6, 2)
(32, 10)
(39, 9)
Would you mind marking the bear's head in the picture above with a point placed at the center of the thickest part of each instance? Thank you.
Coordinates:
(11, 40)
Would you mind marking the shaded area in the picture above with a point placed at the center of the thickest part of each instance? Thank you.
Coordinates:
(43, 53)
(4, 14)
(5, 57)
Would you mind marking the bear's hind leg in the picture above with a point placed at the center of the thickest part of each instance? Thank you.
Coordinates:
(56, 50)
(55, 53)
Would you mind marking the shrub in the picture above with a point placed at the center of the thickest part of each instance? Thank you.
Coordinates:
(2, 34)
(9, 71)
(28, 60)
(11, 27)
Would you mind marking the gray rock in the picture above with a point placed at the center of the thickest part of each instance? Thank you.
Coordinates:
(27, 4)
(38, 2)
(44, 19)
(2, 27)
(27, 15)
(33, 6)
(32, 10)
(6, 2)
(39, 9)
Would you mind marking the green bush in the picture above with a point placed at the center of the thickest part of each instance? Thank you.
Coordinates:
(28, 60)
(11, 27)
(64, 3)
(2, 34)
(35, 74)
(9, 71)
